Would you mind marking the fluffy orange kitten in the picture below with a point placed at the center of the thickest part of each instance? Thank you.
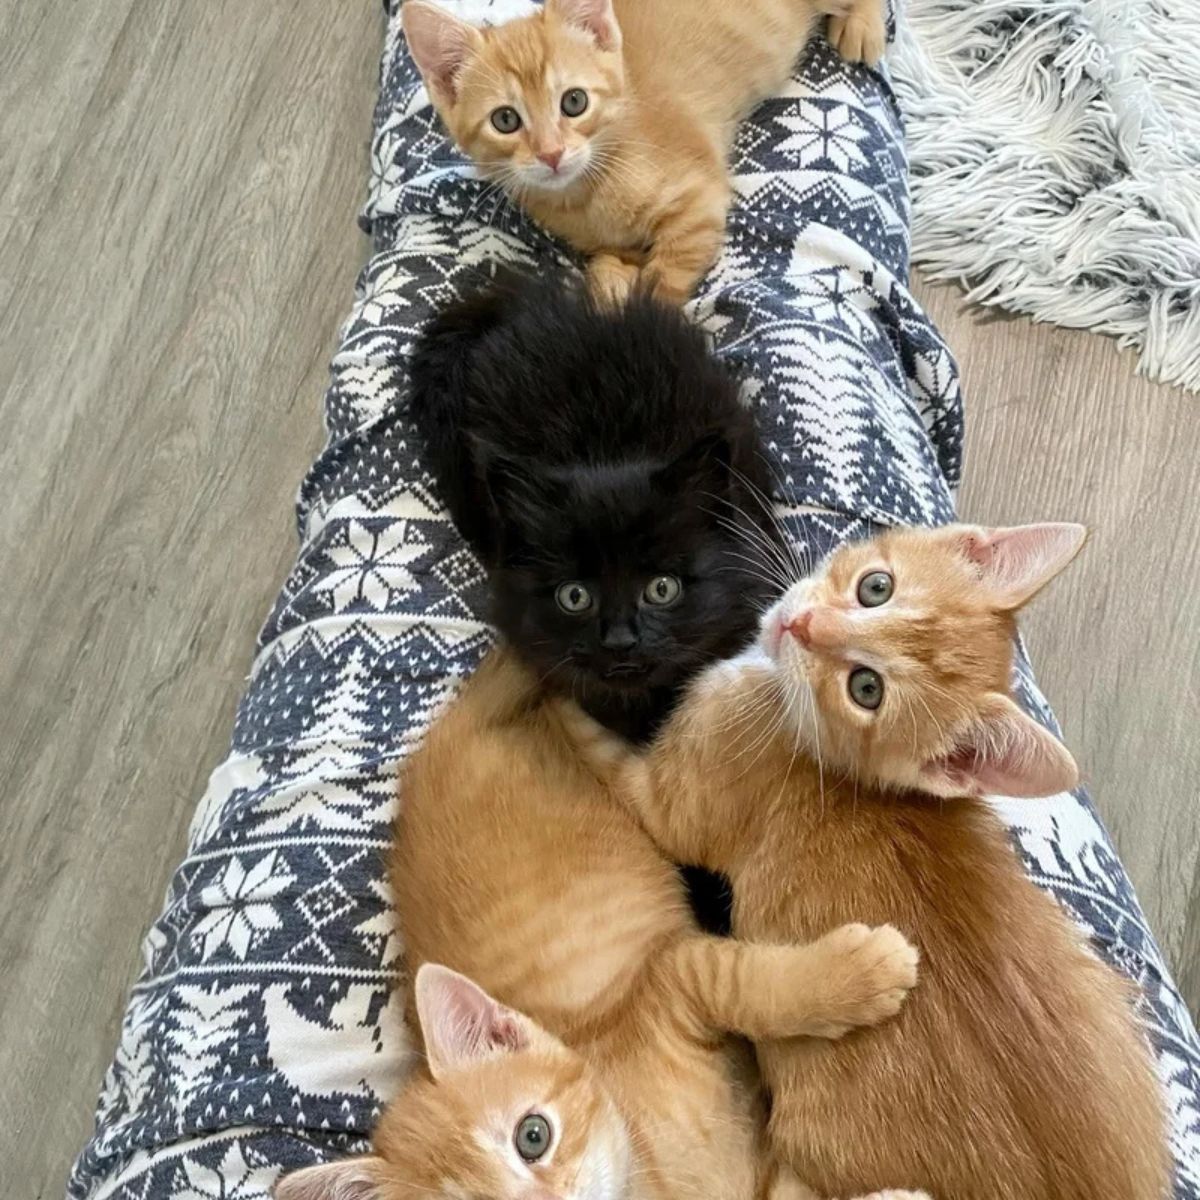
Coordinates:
(611, 121)
(505, 1110)
(1016, 1071)
(515, 866)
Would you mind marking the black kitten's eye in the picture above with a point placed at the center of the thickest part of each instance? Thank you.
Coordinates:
(574, 102)
(506, 119)
(532, 1137)
(875, 589)
(573, 598)
(866, 687)
(662, 590)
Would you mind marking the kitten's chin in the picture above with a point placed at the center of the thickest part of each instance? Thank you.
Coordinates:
(605, 1168)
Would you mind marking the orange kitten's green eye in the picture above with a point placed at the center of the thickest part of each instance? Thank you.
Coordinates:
(573, 598)
(875, 589)
(506, 119)
(574, 102)
(532, 1137)
(866, 687)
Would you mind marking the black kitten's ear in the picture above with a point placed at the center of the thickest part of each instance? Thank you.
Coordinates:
(705, 466)
(517, 491)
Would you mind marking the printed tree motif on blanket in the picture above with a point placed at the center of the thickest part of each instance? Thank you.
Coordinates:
(332, 780)
(202, 1031)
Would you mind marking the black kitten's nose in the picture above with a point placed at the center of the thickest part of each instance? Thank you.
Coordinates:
(620, 635)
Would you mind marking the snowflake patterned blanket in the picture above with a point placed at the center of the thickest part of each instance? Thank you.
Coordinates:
(263, 1033)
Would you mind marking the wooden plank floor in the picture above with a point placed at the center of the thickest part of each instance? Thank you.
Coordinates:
(176, 250)
(178, 246)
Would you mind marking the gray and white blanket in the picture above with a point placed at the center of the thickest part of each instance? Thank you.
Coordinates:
(263, 1033)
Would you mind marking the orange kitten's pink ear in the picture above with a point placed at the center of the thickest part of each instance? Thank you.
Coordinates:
(593, 16)
(1016, 563)
(461, 1023)
(1002, 752)
(440, 45)
(347, 1179)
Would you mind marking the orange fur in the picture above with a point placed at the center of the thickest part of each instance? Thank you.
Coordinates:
(450, 1132)
(1016, 1071)
(515, 866)
(642, 186)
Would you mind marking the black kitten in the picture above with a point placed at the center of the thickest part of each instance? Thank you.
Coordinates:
(602, 466)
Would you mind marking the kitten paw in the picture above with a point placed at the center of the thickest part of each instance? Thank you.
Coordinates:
(860, 35)
(870, 972)
(611, 279)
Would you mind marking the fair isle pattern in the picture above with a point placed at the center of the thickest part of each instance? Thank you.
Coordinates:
(263, 1033)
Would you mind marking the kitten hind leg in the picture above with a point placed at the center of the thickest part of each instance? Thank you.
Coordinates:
(857, 29)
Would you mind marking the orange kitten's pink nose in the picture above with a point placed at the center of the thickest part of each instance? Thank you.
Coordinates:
(815, 629)
(552, 159)
(798, 627)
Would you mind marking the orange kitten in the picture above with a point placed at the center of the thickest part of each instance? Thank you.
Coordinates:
(515, 866)
(506, 1111)
(611, 121)
(1016, 1071)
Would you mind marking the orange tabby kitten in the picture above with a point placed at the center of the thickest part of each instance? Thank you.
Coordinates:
(1016, 1071)
(611, 121)
(505, 1110)
(514, 865)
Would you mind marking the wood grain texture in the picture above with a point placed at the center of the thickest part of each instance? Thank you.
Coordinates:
(176, 251)
(178, 246)
(1059, 427)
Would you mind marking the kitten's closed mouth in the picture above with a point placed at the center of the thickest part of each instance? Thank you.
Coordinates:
(624, 670)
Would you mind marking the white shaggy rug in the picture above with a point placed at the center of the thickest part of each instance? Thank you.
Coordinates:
(1055, 153)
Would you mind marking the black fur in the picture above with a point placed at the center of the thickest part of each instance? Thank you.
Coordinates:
(605, 447)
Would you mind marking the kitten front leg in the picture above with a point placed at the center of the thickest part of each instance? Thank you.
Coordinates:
(610, 278)
(851, 977)
(857, 29)
(686, 790)
(687, 241)
(629, 773)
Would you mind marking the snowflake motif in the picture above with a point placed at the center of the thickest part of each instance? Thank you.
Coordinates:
(372, 568)
(384, 293)
(823, 135)
(232, 1179)
(239, 905)
(935, 381)
(387, 165)
(833, 298)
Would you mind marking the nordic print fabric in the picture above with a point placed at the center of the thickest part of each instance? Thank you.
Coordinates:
(264, 1033)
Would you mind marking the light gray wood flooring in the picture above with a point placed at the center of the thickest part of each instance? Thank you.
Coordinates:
(178, 187)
